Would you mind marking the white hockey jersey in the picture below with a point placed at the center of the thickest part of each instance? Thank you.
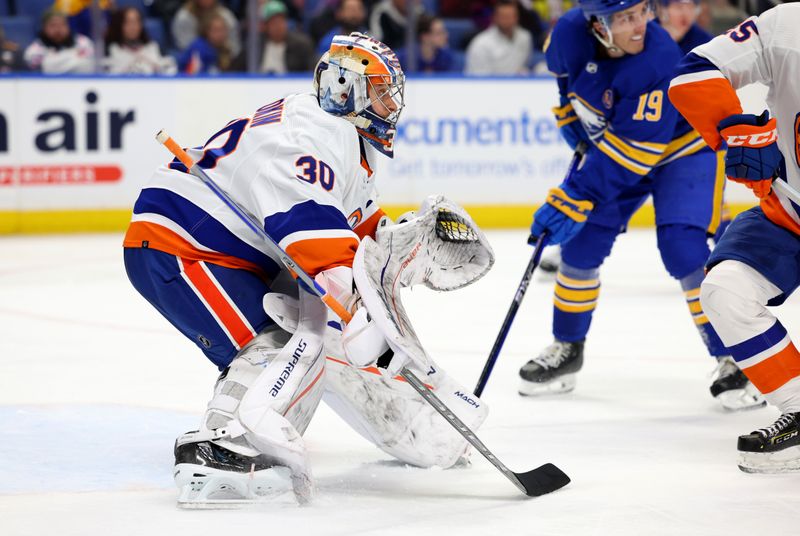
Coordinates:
(305, 174)
(762, 49)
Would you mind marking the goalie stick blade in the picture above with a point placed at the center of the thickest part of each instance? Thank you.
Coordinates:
(544, 479)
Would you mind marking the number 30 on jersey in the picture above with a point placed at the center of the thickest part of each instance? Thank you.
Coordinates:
(312, 170)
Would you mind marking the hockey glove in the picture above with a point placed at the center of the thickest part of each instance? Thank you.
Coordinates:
(568, 123)
(753, 157)
(562, 215)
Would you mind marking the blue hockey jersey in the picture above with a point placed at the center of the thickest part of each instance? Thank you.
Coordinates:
(622, 105)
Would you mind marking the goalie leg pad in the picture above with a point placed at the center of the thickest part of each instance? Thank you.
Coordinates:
(390, 414)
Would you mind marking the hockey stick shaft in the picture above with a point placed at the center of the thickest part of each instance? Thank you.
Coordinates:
(510, 315)
(540, 242)
(253, 225)
(537, 482)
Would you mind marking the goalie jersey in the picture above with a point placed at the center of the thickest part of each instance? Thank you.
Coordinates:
(622, 105)
(761, 49)
(303, 173)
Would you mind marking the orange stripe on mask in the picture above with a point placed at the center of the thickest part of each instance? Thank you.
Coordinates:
(704, 104)
(219, 304)
(160, 238)
(776, 370)
(316, 255)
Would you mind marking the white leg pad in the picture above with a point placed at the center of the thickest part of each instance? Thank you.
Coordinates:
(390, 414)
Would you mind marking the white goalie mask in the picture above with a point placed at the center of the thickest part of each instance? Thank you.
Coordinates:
(360, 79)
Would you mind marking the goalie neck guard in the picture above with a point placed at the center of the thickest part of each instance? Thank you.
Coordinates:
(360, 79)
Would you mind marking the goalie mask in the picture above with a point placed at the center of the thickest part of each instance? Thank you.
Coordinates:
(360, 80)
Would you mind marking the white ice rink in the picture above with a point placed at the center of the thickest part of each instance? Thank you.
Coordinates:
(95, 385)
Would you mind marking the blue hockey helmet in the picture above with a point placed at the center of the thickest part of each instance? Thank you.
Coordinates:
(603, 10)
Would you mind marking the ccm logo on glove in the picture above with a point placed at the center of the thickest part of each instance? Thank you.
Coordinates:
(759, 139)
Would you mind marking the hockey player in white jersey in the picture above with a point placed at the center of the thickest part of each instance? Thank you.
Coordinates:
(303, 166)
(757, 262)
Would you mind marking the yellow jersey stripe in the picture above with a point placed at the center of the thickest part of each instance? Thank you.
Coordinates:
(683, 143)
(592, 108)
(643, 157)
(612, 153)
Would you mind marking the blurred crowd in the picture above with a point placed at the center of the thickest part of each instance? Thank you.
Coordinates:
(476, 37)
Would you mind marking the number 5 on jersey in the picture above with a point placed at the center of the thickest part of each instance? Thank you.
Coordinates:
(313, 170)
(649, 107)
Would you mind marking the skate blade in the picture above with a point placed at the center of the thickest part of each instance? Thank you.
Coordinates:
(741, 399)
(562, 384)
(202, 488)
(784, 461)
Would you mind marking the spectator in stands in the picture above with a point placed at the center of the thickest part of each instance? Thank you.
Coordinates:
(502, 49)
(280, 51)
(57, 50)
(351, 17)
(210, 53)
(433, 54)
(80, 16)
(10, 55)
(186, 24)
(388, 22)
(130, 50)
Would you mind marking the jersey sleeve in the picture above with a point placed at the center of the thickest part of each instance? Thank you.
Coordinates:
(704, 90)
(638, 135)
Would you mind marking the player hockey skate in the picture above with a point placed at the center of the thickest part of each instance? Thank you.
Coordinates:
(549, 265)
(775, 449)
(210, 476)
(732, 388)
(553, 371)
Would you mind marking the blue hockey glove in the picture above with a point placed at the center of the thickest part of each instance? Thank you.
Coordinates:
(562, 216)
(753, 157)
(568, 123)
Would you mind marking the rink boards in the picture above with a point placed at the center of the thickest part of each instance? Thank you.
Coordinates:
(75, 151)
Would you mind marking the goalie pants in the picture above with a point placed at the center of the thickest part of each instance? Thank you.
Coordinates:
(687, 198)
(217, 308)
(756, 265)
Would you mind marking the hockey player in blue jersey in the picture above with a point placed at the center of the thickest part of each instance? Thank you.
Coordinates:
(613, 65)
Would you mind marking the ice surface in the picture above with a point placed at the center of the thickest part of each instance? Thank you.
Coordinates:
(94, 387)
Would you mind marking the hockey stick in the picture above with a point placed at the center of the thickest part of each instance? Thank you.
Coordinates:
(540, 242)
(539, 481)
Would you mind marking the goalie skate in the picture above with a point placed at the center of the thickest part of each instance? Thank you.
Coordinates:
(775, 449)
(209, 476)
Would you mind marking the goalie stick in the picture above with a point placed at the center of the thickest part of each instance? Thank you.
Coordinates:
(539, 242)
(543, 479)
